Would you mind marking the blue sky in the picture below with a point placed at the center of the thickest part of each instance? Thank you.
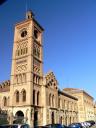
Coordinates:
(69, 39)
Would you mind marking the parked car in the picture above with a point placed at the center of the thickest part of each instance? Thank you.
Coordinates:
(75, 125)
(64, 126)
(91, 122)
(85, 124)
(55, 126)
(40, 127)
(14, 126)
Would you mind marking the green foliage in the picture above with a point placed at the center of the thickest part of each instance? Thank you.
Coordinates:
(3, 121)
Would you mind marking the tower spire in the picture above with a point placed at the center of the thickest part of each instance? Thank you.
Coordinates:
(29, 14)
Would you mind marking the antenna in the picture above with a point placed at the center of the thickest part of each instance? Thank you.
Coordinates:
(30, 3)
(26, 5)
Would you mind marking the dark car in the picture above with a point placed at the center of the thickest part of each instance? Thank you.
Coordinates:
(54, 126)
(75, 125)
(64, 126)
(40, 127)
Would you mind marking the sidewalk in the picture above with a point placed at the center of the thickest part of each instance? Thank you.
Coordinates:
(94, 126)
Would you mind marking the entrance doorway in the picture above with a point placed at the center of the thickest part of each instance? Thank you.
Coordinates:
(60, 120)
(52, 117)
(70, 120)
(35, 118)
(65, 120)
(19, 117)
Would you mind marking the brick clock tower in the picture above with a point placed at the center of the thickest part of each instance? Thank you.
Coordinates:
(26, 71)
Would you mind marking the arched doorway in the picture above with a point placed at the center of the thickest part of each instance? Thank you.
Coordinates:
(19, 117)
(70, 120)
(60, 120)
(52, 117)
(35, 118)
(66, 120)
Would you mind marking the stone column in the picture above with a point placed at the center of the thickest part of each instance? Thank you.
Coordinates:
(11, 118)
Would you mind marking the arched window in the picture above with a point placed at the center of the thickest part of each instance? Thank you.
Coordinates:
(21, 51)
(59, 103)
(49, 99)
(34, 78)
(34, 51)
(17, 96)
(36, 34)
(23, 95)
(26, 50)
(38, 52)
(20, 78)
(8, 101)
(17, 80)
(38, 98)
(53, 100)
(39, 80)
(33, 97)
(5, 101)
(24, 77)
(18, 52)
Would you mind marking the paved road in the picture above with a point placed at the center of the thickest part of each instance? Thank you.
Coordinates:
(93, 126)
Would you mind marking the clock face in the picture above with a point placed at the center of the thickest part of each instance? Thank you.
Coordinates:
(23, 33)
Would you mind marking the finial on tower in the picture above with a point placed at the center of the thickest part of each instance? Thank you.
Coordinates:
(29, 14)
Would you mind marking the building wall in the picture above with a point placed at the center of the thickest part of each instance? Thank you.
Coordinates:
(85, 104)
(53, 104)
(60, 106)
(68, 108)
